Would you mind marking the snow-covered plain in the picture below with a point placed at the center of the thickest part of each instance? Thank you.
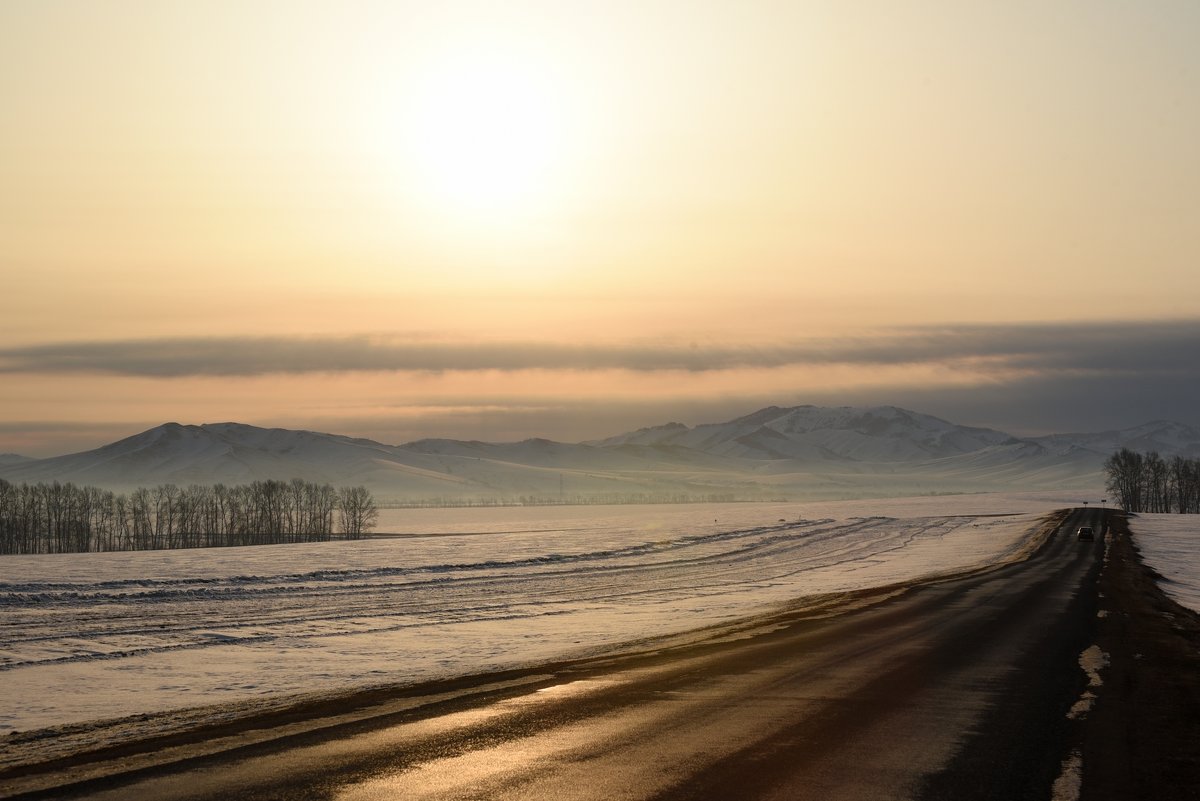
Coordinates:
(451, 592)
(1170, 544)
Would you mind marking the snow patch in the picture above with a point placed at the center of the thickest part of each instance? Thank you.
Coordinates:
(1070, 779)
(1170, 545)
(1092, 661)
(1081, 707)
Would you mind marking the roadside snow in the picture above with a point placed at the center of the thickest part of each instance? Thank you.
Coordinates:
(1170, 544)
(454, 592)
(1070, 779)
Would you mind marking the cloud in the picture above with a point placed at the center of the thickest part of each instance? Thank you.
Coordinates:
(1028, 405)
(1022, 379)
(1059, 402)
(1104, 348)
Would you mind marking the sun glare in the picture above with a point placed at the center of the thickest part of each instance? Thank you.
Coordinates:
(486, 137)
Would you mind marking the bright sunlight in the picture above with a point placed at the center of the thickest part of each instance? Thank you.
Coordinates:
(487, 135)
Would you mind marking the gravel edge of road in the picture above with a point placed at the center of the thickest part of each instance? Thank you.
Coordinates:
(1142, 738)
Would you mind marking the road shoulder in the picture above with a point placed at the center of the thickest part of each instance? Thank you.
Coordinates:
(1142, 738)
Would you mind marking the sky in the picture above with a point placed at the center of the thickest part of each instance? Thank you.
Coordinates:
(565, 219)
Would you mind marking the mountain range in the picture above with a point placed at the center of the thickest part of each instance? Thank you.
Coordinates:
(799, 452)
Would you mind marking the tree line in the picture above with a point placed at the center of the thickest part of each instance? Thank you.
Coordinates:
(1149, 483)
(65, 518)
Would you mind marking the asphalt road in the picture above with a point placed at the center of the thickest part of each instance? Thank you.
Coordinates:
(954, 690)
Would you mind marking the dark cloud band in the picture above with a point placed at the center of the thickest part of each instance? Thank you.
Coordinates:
(1106, 348)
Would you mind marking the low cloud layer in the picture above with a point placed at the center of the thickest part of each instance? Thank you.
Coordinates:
(1124, 348)
(1022, 379)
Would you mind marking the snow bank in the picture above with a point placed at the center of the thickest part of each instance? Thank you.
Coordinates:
(451, 592)
(1170, 544)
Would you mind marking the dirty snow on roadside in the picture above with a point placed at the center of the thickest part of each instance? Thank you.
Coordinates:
(1170, 545)
(92, 636)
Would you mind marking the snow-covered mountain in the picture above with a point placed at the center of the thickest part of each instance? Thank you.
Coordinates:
(804, 451)
(233, 453)
(1165, 437)
(13, 458)
(874, 434)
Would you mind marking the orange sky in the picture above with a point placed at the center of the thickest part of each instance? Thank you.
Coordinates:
(600, 175)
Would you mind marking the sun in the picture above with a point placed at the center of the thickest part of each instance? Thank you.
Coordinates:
(487, 136)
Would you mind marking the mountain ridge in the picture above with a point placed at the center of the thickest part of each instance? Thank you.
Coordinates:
(800, 451)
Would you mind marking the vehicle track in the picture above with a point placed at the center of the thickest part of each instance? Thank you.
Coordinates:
(65, 622)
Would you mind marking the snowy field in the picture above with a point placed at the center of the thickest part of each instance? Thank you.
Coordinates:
(1170, 544)
(449, 592)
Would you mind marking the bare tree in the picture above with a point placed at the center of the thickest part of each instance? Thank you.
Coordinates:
(59, 518)
(1124, 469)
(357, 510)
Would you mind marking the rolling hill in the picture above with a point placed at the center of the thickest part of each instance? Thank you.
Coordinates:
(797, 452)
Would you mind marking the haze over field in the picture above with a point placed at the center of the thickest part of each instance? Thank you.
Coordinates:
(487, 221)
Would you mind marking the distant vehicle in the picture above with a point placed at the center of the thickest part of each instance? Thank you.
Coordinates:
(1086, 534)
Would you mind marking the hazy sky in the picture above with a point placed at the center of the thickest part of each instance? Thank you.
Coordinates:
(499, 220)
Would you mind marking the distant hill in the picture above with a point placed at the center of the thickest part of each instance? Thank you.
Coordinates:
(1169, 439)
(13, 458)
(798, 452)
(232, 453)
(876, 434)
